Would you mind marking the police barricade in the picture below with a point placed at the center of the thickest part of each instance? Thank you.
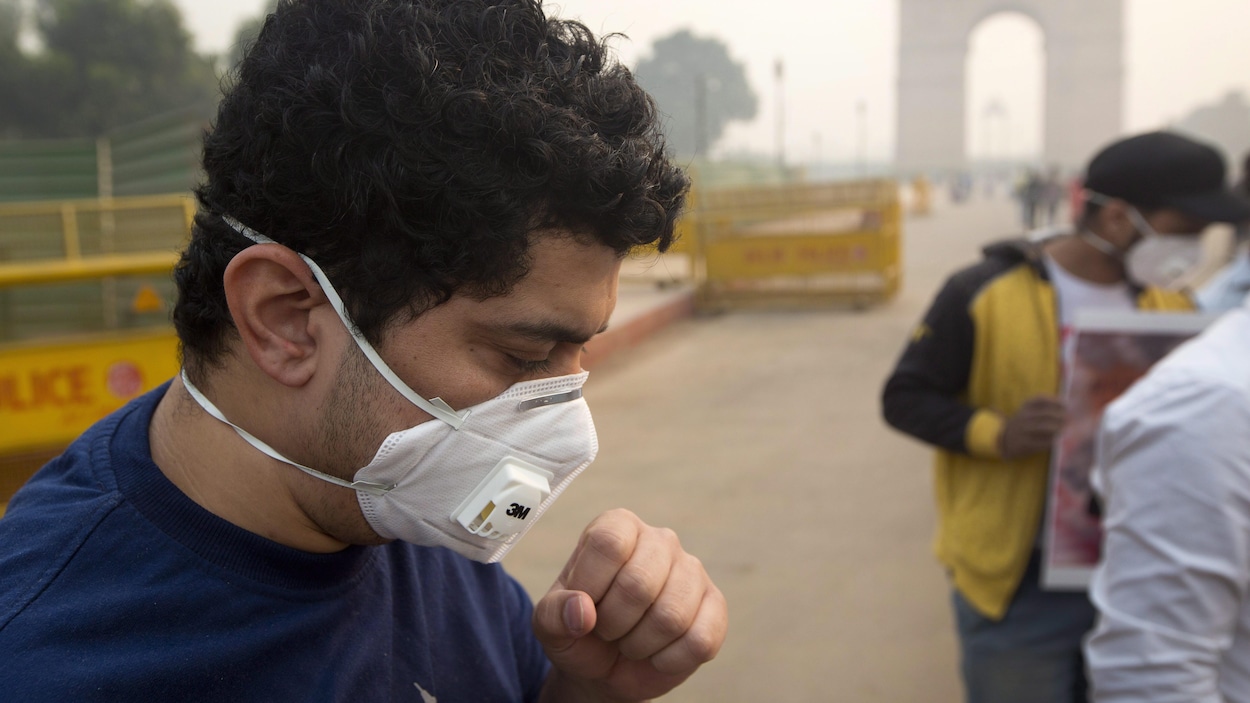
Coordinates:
(85, 293)
(797, 245)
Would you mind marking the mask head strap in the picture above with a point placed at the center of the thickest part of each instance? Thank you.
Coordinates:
(1096, 241)
(434, 406)
(1134, 213)
(376, 489)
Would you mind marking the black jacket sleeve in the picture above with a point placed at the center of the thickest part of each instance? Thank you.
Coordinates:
(923, 395)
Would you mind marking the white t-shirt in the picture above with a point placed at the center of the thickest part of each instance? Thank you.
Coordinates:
(1074, 294)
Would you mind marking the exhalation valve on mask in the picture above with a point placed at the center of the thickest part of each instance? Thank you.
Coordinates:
(500, 505)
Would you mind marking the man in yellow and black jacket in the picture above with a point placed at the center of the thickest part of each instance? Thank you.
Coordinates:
(979, 381)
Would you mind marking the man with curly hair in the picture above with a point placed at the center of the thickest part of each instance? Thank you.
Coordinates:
(413, 218)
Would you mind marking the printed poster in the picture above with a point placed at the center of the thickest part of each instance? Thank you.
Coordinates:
(1106, 352)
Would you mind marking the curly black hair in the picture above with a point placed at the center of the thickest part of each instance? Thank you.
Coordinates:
(412, 148)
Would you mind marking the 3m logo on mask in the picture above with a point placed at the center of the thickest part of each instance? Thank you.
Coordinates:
(512, 483)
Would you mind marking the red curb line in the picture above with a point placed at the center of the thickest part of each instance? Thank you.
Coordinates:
(638, 329)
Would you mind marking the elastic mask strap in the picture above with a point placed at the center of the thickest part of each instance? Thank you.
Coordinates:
(1095, 240)
(1100, 244)
(434, 406)
(376, 489)
(1144, 228)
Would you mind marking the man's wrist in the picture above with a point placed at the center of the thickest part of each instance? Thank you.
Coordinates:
(562, 688)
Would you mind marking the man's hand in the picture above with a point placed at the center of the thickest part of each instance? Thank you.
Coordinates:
(1033, 428)
(630, 617)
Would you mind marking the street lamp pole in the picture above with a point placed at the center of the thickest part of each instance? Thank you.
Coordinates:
(779, 72)
(700, 115)
(994, 116)
(861, 111)
(815, 153)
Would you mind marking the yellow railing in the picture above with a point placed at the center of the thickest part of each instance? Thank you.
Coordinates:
(74, 229)
(64, 270)
(85, 290)
(79, 266)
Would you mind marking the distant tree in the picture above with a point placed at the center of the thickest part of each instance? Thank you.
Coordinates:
(698, 86)
(12, 65)
(105, 63)
(10, 25)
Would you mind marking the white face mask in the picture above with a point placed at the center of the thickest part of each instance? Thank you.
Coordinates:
(1156, 260)
(1161, 260)
(473, 481)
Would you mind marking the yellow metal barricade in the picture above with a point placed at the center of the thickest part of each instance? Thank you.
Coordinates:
(921, 196)
(85, 293)
(798, 245)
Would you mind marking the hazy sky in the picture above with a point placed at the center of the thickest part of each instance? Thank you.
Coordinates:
(1179, 53)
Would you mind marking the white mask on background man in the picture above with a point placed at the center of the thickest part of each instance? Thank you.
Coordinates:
(1154, 260)
(473, 481)
(1161, 260)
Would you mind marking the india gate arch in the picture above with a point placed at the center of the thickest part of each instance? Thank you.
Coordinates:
(1084, 69)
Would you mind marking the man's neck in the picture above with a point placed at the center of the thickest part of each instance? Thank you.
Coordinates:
(1085, 261)
(214, 467)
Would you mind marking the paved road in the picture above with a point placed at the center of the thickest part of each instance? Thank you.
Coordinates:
(757, 437)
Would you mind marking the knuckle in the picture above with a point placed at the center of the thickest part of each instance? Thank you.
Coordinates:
(702, 645)
(671, 621)
(634, 651)
(636, 586)
(608, 543)
(693, 563)
(668, 536)
(671, 664)
(618, 515)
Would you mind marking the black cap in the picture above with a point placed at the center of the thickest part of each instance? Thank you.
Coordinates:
(1165, 170)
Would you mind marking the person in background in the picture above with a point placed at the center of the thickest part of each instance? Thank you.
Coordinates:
(414, 216)
(1052, 195)
(979, 381)
(1029, 192)
(1173, 470)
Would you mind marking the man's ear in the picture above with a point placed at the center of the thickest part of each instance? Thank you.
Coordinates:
(271, 293)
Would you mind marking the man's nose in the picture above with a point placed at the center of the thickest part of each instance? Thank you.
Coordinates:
(566, 360)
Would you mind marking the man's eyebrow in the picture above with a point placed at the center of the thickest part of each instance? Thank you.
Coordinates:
(551, 332)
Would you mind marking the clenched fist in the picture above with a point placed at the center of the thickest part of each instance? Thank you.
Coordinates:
(630, 617)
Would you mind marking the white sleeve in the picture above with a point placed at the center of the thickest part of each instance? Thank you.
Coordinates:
(1174, 455)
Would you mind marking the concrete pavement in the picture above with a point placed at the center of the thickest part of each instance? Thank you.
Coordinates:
(757, 437)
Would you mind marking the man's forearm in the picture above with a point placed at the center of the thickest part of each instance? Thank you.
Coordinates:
(932, 417)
